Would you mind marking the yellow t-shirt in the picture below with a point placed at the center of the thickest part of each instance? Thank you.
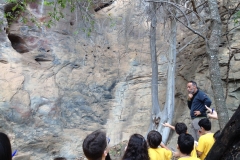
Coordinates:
(194, 152)
(205, 143)
(189, 158)
(159, 154)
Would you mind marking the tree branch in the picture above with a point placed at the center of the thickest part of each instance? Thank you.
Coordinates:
(190, 11)
(187, 44)
(230, 30)
(195, 32)
(194, 8)
(177, 6)
(173, 4)
(234, 10)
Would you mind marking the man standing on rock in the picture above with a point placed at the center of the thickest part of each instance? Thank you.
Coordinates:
(197, 100)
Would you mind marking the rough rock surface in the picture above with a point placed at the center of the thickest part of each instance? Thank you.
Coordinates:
(56, 87)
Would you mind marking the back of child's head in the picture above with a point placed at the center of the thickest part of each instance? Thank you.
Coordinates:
(94, 145)
(185, 143)
(205, 123)
(5, 147)
(216, 135)
(136, 149)
(154, 139)
(180, 128)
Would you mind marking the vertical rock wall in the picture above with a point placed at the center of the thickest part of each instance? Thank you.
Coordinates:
(58, 86)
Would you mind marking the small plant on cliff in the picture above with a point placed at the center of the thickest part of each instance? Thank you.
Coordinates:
(18, 11)
(13, 10)
(236, 18)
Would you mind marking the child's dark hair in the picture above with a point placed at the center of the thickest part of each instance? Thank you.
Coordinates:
(185, 143)
(5, 147)
(94, 145)
(180, 128)
(216, 135)
(205, 123)
(136, 149)
(154, 139)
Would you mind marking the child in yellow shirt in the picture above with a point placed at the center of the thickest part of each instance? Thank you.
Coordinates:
(154, 139)
(185, 147)
(206, 140)
(180, 128)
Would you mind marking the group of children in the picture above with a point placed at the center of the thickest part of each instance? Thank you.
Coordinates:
(95, 145)
(205, 142)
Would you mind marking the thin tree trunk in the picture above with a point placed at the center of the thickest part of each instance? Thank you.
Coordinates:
(170, 95)
(212, 48)
(154, 85)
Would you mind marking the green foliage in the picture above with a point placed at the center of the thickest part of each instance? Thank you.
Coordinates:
(18, 12)
(57, 14)
(112, 21)
(14, 10)
(47, 3)
(89, 23)
(236, 17)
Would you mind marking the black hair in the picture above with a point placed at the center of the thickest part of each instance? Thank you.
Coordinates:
(136, 149)
(216, 135)
(60, 158)
(5, 147)
(94, 145)
(108, 157)
(154, 139)
(205, 123)
(193, 83)
(185, 143)
(180, 128)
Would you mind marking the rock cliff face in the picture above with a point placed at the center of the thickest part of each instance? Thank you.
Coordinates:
(58, 86)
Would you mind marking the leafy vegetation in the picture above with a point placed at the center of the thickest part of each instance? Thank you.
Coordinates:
(236, 17)
(17, 10)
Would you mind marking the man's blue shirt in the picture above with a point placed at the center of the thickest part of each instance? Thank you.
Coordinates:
(198, 102)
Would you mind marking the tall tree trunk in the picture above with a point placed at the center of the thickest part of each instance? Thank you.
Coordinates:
(170, 95)
(154, 85)
(212, 48)
(227, 146)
